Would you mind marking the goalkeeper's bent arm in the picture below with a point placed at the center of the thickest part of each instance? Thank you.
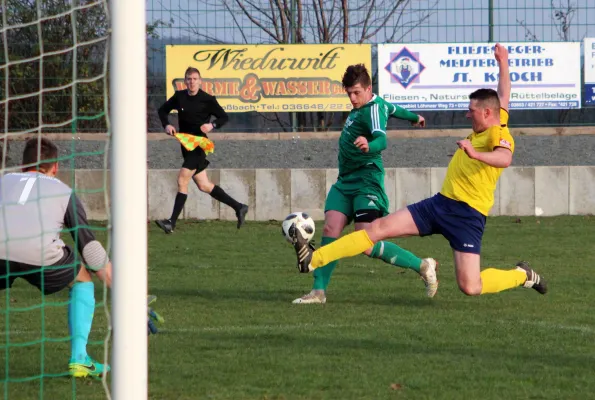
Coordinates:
(93, 253)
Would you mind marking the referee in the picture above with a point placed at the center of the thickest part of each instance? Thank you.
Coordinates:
(195, 108)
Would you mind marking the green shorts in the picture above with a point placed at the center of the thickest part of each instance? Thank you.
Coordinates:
(357, 192)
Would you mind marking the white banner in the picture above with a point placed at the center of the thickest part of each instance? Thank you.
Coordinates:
(441, 76)
(590, 72)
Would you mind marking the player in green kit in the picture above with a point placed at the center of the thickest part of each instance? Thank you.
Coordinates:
(359, 195)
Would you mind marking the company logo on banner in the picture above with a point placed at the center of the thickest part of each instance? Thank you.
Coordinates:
(404, 68)
(441, 76)
(269, 78)
(590, 71)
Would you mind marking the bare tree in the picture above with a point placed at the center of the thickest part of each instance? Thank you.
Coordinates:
(311, 21)
(562, 16)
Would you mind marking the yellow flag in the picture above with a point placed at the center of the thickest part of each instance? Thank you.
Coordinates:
(191, 142)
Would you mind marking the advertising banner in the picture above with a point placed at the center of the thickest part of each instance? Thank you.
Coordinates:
(590, 72)
(441, 76)
(269, 78)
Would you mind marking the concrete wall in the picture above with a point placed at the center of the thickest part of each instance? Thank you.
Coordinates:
(274, 193)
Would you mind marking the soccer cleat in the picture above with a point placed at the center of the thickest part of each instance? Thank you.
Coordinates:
(533, 279)
(303, 250)
(165, 225)
(429, 274)
(87, 368)
(314, 297)
(241, 214)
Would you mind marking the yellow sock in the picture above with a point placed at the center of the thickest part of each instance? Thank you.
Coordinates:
(496, 280)
(347, 246)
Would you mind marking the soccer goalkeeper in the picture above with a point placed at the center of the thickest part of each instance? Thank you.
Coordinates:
(34, 208)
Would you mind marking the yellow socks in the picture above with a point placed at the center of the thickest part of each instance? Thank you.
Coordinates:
(496, 280)
(347, 246)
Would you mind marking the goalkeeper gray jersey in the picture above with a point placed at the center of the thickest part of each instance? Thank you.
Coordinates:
(34, 209)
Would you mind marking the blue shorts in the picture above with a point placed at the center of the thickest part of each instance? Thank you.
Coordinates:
(459, 223)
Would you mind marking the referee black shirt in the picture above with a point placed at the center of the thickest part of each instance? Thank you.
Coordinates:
(193, 111)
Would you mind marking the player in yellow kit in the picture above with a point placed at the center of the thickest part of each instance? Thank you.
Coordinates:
(459, 211)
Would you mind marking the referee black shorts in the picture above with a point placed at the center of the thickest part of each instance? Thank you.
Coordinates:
(195, 159)
(49, 279)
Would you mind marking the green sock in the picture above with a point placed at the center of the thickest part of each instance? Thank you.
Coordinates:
(322, 275)
(392, 254)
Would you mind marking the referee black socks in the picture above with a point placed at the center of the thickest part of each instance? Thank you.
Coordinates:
(178, 207)
(219, 194)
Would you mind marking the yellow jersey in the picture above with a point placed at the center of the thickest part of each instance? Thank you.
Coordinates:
(472, 181)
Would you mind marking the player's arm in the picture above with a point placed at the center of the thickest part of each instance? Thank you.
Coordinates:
(378, 142)
(499, 157)
(93, 254)
(402, 113)
(504, 85)
(221, 117)
(376, 123)
(375, 145)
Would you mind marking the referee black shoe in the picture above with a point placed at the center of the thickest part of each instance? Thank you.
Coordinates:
(165, 225)
(534, 281)
(241, 214)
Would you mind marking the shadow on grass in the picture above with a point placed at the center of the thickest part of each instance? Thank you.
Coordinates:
(288, 295)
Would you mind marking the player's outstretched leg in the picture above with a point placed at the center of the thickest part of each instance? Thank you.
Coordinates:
(348, 246)
(497, 280)
(80, 320)
(322, 277)
(533, 281)
(303, 250)
(392, 254)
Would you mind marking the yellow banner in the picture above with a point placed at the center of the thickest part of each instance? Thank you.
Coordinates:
(269, 78)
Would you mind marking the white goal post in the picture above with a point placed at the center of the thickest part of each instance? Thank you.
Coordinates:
(128, 133)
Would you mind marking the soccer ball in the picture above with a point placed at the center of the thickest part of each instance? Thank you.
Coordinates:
(298, 220)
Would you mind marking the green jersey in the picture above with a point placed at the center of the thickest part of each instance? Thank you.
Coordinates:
(369, 121)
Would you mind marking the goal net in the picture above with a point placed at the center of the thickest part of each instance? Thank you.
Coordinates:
(54, 63)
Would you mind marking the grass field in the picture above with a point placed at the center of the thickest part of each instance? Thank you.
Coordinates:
(231, 331)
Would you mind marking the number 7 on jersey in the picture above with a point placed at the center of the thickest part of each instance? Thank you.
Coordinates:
(27, 189)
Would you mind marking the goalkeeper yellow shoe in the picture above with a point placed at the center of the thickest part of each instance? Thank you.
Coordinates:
(88, 368)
